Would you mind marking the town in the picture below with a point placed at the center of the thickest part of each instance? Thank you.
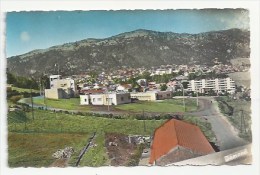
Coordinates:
(151, 82)
(184, 84)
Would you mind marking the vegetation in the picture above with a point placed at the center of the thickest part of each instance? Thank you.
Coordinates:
(24, 90)
(36, 149)
(238, 113)
(67, 104)
(166, 106)
(203, 75)
(134, 160)
(22, 82)
(50, 131)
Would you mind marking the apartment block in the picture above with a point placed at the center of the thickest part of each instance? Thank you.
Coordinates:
(218, 85)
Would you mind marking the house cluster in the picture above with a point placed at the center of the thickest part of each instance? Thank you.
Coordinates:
(113, 77)
(101, 97)
(114, 94)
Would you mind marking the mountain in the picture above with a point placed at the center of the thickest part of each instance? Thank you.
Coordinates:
(134, 49)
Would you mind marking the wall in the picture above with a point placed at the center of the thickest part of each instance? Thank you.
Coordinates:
(97, 99)
(55, 93)
(161, 95)
(144, 96)
(84, 99)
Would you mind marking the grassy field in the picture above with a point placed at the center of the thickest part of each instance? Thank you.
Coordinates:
(25, 90)
(34, 145)
(35, 149)
(166, 106)
(68, 104)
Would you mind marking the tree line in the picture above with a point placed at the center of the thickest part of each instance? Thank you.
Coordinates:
(28, 83)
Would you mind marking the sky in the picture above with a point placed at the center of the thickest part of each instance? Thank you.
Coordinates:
(27, 31)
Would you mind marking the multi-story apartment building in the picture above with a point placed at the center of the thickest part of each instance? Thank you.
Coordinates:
(218, 85)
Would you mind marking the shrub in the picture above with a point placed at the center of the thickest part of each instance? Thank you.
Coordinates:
(15, 99)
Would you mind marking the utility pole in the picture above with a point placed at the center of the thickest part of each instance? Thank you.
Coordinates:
(197, 99)
(44, 99)
(183, 100)
(144, 122)
(32, 104)
(242, 122)
(107, 102)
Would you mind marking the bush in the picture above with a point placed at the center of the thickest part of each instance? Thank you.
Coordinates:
(15, 99)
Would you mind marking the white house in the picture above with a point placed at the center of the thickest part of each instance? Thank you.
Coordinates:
(105, 99)
(124, 88)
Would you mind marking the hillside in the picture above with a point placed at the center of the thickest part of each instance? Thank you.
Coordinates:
(134, 49)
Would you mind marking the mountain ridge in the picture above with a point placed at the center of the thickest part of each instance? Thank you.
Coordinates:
(135, 48)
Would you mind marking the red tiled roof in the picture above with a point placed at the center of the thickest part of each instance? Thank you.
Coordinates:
(178, 133)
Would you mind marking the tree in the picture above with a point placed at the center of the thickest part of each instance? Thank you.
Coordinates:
(163, 87)
(185, 85)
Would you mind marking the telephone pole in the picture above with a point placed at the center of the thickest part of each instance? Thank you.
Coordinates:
(144, 122)
(32, 104)
(242, 122)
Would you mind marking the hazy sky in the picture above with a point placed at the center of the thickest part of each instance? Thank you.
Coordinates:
(26, 31)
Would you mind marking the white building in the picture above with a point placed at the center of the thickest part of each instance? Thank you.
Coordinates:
(163, 71)
(61, 88)
(218, 85)
(105, 99)
(151, 95)
(52, 78)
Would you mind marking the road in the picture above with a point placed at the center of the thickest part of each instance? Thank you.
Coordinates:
(227, 136)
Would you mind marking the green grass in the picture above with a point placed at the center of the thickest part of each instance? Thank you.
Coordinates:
(166, 106)
(25, 90)
(35, 150)
(47, 129)
(68, 104)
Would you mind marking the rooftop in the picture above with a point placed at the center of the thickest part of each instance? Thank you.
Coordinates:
(175, 133)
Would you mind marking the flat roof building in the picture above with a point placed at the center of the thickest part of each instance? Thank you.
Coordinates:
(218, 85)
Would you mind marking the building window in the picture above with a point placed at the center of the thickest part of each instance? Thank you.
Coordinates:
(122, 98)
(85, 100)
(93, 99)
